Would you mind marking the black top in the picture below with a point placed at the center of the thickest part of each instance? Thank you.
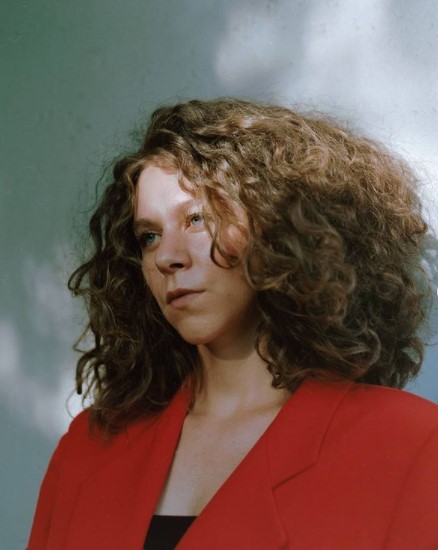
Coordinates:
(165, 532)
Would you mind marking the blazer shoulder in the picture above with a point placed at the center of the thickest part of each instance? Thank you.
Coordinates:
(87, 444)
(77, 430)
(80, 423)
(390, 397)
(391, 409)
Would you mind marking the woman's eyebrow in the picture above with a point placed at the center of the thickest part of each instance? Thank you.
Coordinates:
(143, 223)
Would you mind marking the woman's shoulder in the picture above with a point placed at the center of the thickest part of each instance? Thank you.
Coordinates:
(396, 414)
(392, 401)
(369, 402)
(85, 443)
(356, 415)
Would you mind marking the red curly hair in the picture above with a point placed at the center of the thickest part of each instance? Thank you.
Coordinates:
(334, 235)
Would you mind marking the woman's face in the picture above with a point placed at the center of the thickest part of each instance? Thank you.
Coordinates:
(205, 303)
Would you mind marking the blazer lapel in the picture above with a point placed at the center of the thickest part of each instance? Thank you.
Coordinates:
(295, 441)
(243, 513)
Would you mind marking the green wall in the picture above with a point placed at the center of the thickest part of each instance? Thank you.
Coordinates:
(77, 76)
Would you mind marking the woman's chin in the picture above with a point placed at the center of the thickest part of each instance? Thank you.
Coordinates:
(200, 335)
(197, 339)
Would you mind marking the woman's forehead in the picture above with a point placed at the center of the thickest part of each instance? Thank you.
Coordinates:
(159, 189)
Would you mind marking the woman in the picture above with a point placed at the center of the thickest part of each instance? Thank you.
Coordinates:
(254, 295)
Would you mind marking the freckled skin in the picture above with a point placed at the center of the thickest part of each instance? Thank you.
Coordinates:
(176, 253)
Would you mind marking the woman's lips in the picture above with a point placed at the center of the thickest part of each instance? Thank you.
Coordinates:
(183, 300)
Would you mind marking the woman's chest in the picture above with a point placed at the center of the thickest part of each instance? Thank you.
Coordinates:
(207, 454)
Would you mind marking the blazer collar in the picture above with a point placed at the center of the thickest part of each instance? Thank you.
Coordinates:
(295, 438)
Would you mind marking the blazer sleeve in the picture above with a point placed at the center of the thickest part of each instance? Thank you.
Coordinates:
(415, 519)
(46, 500)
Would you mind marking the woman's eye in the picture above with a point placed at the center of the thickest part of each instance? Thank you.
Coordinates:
(146, 239)
(195, 218)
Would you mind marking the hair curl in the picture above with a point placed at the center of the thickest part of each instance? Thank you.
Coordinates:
(334, 236)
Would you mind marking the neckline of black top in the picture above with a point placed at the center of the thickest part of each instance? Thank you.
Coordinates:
(165, 531)
(172, 516)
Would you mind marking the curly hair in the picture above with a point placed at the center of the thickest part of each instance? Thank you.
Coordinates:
(334, 239)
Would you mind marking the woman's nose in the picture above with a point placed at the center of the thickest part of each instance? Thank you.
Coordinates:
(172, 253)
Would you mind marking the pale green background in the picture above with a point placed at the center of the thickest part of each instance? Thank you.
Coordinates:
(77, 75)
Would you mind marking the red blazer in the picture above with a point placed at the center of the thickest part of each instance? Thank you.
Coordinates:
(343, 466)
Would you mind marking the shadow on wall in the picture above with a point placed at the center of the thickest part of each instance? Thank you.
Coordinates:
(76, 76)
(426, 382)
(430, 265)
(141, 55)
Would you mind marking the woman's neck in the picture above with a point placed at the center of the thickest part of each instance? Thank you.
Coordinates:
(235, 383)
